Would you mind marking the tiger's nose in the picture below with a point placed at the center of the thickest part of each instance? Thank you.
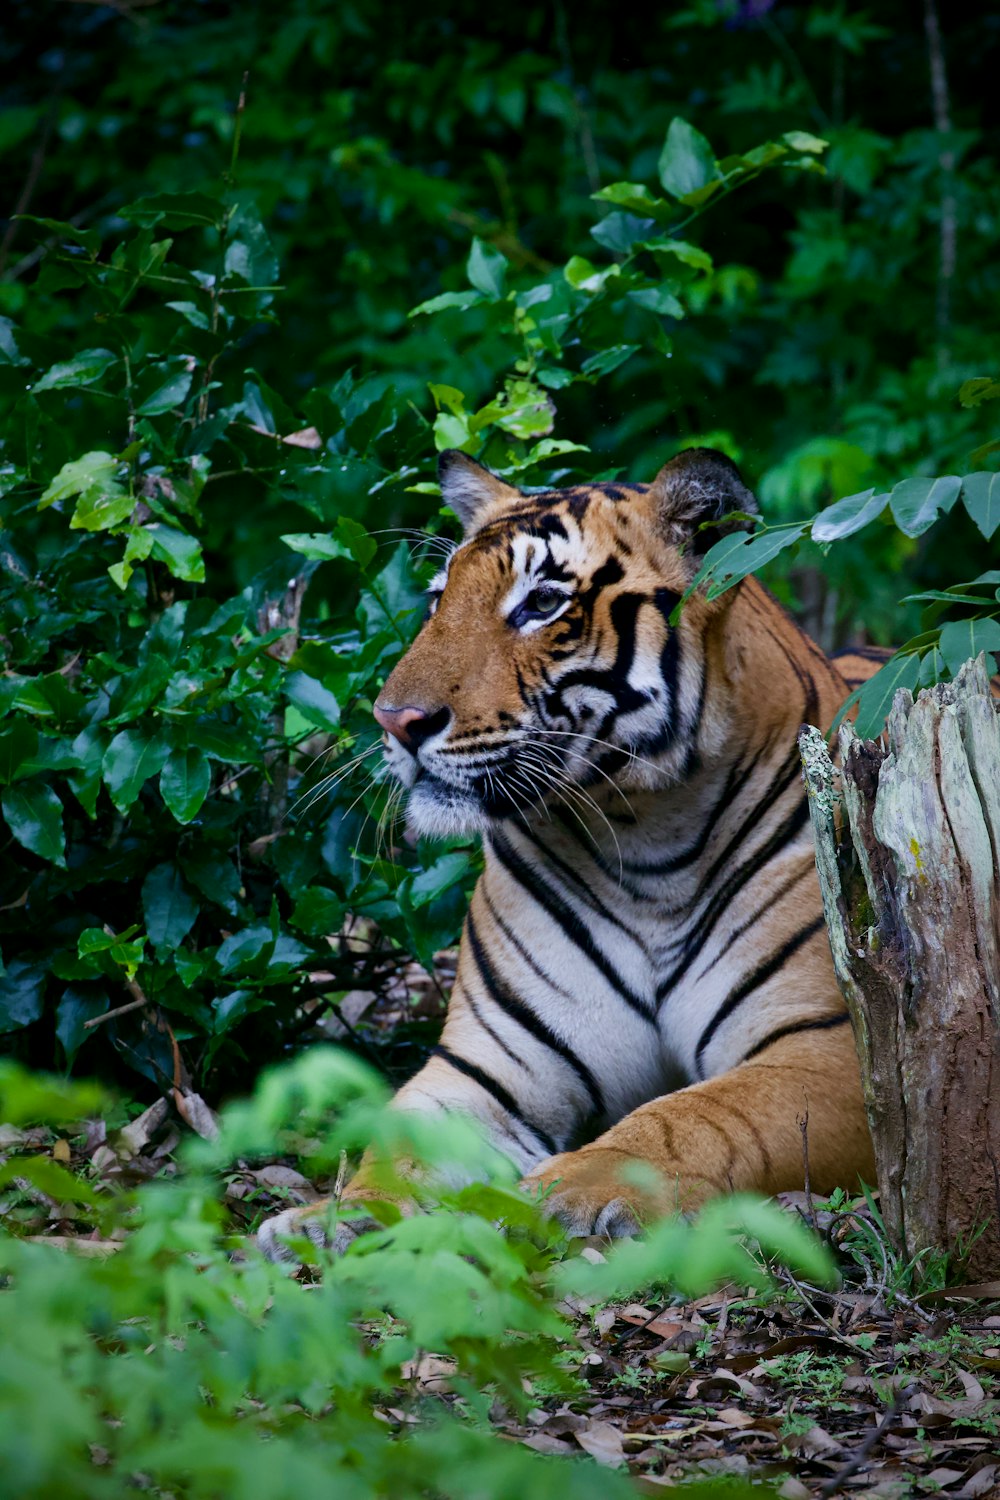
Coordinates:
(411, 725)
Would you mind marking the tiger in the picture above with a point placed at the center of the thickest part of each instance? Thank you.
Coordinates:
(644, 958)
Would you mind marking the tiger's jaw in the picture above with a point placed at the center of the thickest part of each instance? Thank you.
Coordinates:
(438, 809)
(437, 806)
(449, 798)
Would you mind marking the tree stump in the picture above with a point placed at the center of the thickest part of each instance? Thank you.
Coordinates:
(908, 853)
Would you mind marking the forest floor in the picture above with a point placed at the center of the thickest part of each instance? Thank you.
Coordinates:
(866, 1391)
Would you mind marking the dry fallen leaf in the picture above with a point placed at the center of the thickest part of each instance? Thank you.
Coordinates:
(429, 1372)
(984, 1484)
(276, 1175)
(733, 1417)
(137, 1135)
(815, 1443)
(195, 1112)
(543, 1442)
(603, 1442)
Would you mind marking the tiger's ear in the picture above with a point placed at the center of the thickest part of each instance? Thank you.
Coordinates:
(695, 493)
(470, 489)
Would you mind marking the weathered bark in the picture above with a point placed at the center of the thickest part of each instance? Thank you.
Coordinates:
(908, 855)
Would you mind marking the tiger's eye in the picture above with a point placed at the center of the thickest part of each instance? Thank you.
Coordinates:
(544, 601)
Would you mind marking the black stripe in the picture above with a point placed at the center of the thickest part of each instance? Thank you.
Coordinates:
(826, 1023)
(706, 921)
(692, 759)
(807, 867)
(867, 653)
(525, 1017)
(520, 948)
(756, 814)
(491, 1031)
(565, 917)
(760, 975)
(496, 1091)
(735, 782)
(576, 881)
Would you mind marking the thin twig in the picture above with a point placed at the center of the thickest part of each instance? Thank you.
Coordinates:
(803, 1124)
(120, 1010)
(871, 1442)
(28, 190)
(948, 230)
(820, 1318)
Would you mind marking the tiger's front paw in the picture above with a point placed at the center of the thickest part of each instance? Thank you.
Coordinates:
(586, 1197)
(312, 1223)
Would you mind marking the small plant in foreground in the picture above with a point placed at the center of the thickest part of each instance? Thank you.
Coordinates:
(219, 1377)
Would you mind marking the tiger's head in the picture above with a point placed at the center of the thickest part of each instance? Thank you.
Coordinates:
(547, 657)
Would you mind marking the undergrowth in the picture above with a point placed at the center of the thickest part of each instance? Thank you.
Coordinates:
(178, 1362)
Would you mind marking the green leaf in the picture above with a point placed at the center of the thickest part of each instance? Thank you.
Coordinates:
(980, 388)
(215, 876)
(184, 782)
(249, 254)
(83, 369)
(735, 557)
(48, 1177)
(102, 507)
(584, 276)
(181, 552)
(688, 255)
(137, 548)
(874, 699)
(486, 268)
(687, 162)
(317, 546)
(313, 701)
(658, 300)
(318, 912)
(132, 756)
(193, 314)
(446, 871)
(22, 989)
(175, 211)
(917, 502)
(847, 516)
(34, 816)
(445, 301)
(18, 747)
(962, 640)
(607, 360)
(801, 140)
(352, 543)
(170, 392)
(621, 232)
(245, 948)
(77, 1005)
(79, 475)
(634, 198)
(981, 498)
(169, 908)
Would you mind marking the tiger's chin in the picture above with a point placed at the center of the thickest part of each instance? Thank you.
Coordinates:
(438, 811)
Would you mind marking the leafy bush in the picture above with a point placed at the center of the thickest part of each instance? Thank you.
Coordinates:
(195, 888)
(160, 733)
(171, 1366)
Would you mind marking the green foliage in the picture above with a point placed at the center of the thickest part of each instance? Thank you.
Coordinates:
(213, 1376)
(482, 236)
(916, 504)
(159, 733)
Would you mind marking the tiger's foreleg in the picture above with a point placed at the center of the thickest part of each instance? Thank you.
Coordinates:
(739, 1131)
(527, 1099)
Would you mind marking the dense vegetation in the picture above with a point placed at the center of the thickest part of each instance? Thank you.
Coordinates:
(259, 267)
